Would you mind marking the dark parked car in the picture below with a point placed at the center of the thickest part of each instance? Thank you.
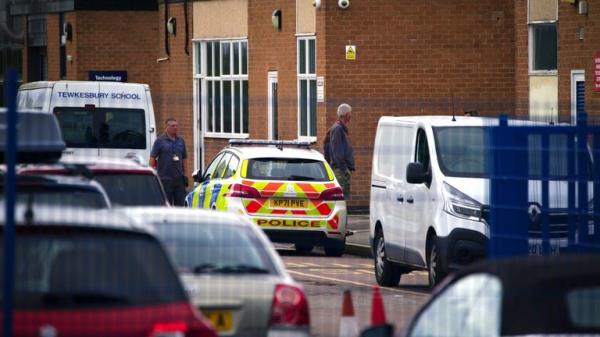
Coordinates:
(528, 296)
(126, 182)
(58, 191)
(92, 273)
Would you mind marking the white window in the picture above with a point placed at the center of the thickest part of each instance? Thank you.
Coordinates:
(307, 87)
(543, 45)
(221, 80)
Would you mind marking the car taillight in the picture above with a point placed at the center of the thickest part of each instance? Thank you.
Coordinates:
(171, 329)
(181, 329)
(290, 307)
(332, 194)
(243, 191)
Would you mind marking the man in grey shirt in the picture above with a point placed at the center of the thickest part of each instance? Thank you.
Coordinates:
(167, 157)
(338, 150)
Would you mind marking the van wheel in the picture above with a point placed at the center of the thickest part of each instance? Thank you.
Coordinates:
(335, 247)
(434, 265)
(304, 247)
(387, 274)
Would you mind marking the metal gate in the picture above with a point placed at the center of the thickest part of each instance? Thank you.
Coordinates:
(542, 184)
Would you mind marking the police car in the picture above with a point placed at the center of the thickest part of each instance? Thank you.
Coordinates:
(284, 187)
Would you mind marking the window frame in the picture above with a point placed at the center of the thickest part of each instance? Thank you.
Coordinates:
(308, 77)
(530, 41)
(202, 80)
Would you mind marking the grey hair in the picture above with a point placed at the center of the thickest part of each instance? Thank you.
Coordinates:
(343, 110)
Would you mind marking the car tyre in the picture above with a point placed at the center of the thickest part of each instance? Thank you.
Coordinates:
(303, 247)
(387, 273)
(434, 263)
(335, 247)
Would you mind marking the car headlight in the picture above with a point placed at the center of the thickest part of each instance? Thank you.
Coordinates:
(460, 204)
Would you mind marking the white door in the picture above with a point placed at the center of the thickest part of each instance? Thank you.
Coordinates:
(577, 93)
(273, 113)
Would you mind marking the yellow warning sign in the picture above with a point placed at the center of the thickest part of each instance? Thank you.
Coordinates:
(350, 52)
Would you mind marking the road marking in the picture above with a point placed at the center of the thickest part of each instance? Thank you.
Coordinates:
(366, 265)
(341, 265)
(356, 283)
(366, 271)
(311, 264)
(292, 264)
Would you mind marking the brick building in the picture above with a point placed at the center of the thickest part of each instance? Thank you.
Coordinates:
(279, 68)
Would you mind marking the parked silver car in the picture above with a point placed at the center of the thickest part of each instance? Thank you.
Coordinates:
(231, 270)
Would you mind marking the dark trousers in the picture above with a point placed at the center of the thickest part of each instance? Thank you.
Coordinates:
(175, 190)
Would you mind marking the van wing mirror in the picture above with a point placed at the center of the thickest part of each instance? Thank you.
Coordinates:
(416, 173)
(197, 176)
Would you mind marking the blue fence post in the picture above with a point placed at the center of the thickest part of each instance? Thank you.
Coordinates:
(508, 191)
(582, 240)
(10, 192)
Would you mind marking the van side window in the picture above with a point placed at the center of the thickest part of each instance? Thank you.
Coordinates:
(422, 150)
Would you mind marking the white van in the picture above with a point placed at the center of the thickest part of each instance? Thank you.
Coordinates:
(430, 192)
(97, 118)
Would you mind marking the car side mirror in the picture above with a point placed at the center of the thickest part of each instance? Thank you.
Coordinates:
(384, 330)
(416, 173)
(197, 176)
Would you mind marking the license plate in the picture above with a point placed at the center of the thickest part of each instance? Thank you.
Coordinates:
(222, 320)
(535, 247)
(289, 203)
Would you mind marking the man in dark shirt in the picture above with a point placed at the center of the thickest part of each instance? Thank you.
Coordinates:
(167, 157)
(338, 150)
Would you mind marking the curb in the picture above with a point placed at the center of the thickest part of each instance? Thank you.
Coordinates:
(358, 249)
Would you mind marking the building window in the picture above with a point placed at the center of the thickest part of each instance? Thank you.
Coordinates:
(543, 47)
(542, 16)
(307, 87)
(221, 80)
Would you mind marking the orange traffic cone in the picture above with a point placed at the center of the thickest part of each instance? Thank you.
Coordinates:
(348, 323)
(377, 309)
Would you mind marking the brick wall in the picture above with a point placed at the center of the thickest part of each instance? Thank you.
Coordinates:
(521, 59)
(428, 57)
(574, 53)
(53, 49)
(174, 97)
(113, 40)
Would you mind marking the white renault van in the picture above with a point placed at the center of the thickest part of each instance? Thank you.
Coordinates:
(97, 118)
(430, 188)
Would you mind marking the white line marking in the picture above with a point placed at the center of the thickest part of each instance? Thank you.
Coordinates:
(341, 265)
(356, 283)
(364, 265)
(291, 264)
(311, 264)
(366, 271)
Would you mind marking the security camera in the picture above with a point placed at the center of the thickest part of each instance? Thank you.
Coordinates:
(343, 4)
(317, 3)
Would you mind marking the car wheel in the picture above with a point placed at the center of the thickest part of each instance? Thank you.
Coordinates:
(434, 265)
(335, 247)
(304, 247)
(387, 274)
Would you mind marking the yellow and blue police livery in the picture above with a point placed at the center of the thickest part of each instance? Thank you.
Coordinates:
(284, 187)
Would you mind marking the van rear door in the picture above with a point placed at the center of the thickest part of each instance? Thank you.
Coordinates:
(73, 104)
(123, 121)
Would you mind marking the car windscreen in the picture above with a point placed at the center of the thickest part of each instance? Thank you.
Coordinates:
(132, 189)
(218, 248)
(466, 152)
(60, 267)
(287, 169)
(59, 196)
(113, 128)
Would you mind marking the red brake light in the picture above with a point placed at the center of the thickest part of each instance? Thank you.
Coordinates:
(332, 194)
(243, 191)
(290, 306)
(171, 329)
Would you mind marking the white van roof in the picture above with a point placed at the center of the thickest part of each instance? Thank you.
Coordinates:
(440, 121)
(50, 84)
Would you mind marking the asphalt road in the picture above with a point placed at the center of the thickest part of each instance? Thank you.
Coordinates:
(325, 278)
